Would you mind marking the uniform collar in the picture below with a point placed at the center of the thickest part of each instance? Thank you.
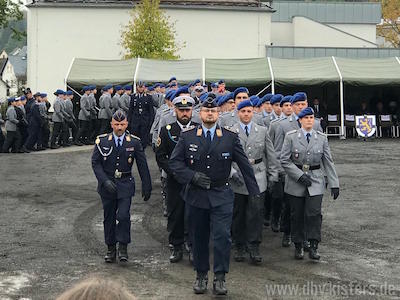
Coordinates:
(118, 137)
(212, 130)
(248, 126)
(181, 126)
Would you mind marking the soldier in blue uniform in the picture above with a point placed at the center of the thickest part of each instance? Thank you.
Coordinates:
(140, 114)
(112, 162)
(202, 162)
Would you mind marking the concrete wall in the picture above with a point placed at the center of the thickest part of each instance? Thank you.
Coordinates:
(308, 33)
(56, 35)
(282, 33)
(365, 31)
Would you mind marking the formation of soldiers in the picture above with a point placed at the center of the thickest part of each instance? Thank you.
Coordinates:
(230, 164)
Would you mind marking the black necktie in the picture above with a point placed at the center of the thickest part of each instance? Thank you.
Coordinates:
(246, 129)
(308, 135)
(119, 143)
(208, 138)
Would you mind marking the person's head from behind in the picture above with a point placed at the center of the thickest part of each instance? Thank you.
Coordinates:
(96, 289)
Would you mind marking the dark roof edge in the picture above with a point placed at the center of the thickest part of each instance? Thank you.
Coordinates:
(173, 6)
(344, 48)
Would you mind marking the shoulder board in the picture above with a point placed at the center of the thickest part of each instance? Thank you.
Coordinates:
(275, 120)
(291, 131)
(102, 135)
(135, 137)
(229, 129)
(321, 133)
(189, 128)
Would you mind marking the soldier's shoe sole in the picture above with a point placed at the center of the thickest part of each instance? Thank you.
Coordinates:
(256, 262)
(123, 259)
(110, 261)
(220, 293)
(199, 292)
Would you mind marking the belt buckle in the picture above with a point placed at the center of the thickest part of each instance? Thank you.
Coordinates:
(252, 161)
(117, 174)
(306, 168)
(140, 110)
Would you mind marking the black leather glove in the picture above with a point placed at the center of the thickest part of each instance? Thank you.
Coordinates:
(335, 193)
(201, 180)
(110, 186)
(146, 195)
(305, 180)
(237, 179)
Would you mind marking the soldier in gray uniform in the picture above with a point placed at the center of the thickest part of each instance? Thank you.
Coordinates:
(93, 125)
(304, 151)
(276, 110)
(84, 117)
(59, 117)
(115, 99)
(105, 113)
(248, 211)
(13, 137)
(71, 120)
(125, 99)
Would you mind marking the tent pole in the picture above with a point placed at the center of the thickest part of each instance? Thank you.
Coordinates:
(203, 70)
(342, 133)
(272, 76)
(398, 60)
(69, 71)
(73, 90)
(135, 76)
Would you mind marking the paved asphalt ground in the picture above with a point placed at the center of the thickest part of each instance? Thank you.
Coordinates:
(51, 233)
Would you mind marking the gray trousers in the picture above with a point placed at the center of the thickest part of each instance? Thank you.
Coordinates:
(248, 218)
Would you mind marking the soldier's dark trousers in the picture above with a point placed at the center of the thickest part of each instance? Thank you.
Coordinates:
(277, 199)
(57, 132)
(13, 140)
(44, 135)
(202, 221)
(1, 139)
(285, 217)
(74, 129)
(34, 131)
(176, 213)
(83, 131)
(267, 205)
(306, 217)
(117, 210)
(140, 127)
(247, 220)
(105, 126)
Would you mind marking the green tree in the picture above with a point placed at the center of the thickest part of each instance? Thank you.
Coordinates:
(150, 33)
(11, 11)
(390, 28)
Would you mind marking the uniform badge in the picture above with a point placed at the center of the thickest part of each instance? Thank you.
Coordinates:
(168, 127)
(130, 160)
(184, 101)
(158, 142)
(218, 132)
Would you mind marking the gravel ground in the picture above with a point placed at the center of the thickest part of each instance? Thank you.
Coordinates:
(51, 233)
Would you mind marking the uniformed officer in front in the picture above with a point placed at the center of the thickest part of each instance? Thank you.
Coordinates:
(112, 162)
(202, 161)
(140, 114)
(303, 153)
(248, 210)
(166, 142)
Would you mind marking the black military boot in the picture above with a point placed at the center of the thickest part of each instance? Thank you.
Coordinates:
(255, 256)
(267, 221)
(200, 285)
(240, 253)
(219, 285)
(275, 225)
(306, 246)
(176, 255)
(286, 240)
(123, 252)
(299, 251)
(111, 255)
(313, 253)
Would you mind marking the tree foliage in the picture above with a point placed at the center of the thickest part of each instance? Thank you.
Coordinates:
(10, 11)
(390, 29)
(150, 33)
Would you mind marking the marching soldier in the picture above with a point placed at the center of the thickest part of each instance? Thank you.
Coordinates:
(112, 162)
(248, 211)
(84, 117)
(44, 135)
(93, 125)
(115, 99)
(140, 114)
(125, 99)
(71, 120)
(274, 101)
(35, 124)
(303, 153)
(202, 161)
(169, 136)
(59, 117)
(13, 138)
(105, 113)
(1, 133)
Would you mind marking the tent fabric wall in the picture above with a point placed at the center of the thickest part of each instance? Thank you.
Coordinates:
(101, 72)
(251, 72)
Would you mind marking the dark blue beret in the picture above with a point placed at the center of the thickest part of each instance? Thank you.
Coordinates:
(118, 88)
(11, 99)
(221, 81)
(150, 88)
(69, 93)
(203, 97)
(182, 90)
(300, 96)
(285, 99)
(107, 87)
(254, 100)
(127, 87)
(308, 111)
(92, 87)
(86, 88)
(22, 98)
(43, 95)
(196, 81)
(214, 85)
(162, 85)
(59, 92)
(221, 100)
(229, 96)
(119, 115)
(276, 98)
(240, 90)
(266, 98)
(244, 103)
(171, 79)
(169, 95)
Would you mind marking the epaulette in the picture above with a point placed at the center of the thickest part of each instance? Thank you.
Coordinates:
(191, 127)
(97, 141)
(292, 131)
(102, 135)
(321, 133)
(229, 129)
(135, 137)
(276, 120)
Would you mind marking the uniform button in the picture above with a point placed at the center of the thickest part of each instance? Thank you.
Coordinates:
(226, 183)
(208, 156)
(249, 148)
(208, 167)
(191, 156)
(117, 157)
(117, 164)
(249, 154)
(308, 153)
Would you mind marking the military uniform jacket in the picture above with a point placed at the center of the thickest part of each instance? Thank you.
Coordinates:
(260, 152)
(192, 154)
(12, 120)
(231, 118)
(105, 107)
(36, 119)
(297, 152)
(59, 114)
(93, 107)
(107, 159)
(115, 102)
(141, 106)
(84, 113)
(124, 102)
(154, 130)
(69, 109)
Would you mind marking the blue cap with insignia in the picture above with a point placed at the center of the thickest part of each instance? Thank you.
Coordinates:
(11, 99)
(221, 100)
(244, 103)
(107, 87)
(169, 95)
(119, 115)
(43, 95)
(276, 99)
(22, 98)
(209, 101)
(182, 90)
(254, 100)
(300, 96)
(92, 87)
(240, 90)
(308, 111)
(285, 99)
